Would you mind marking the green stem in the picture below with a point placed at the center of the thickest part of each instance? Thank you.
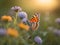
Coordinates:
(15, 19)
(7, 25)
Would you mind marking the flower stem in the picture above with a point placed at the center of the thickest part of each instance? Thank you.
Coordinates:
(7, 25)
(15, 19)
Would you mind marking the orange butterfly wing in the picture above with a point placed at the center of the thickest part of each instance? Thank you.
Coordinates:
(34, 19)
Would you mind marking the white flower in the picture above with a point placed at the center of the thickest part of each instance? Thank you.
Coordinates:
(22, 15)
(16, 8)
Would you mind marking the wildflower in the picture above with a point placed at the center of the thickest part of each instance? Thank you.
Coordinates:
(22, 15)
(12, 32)
(23, 26)
(2, 32)
(38, 40)
(6, 18)
(24, 20)
(57, 20)
(56, 32)
(16, 8)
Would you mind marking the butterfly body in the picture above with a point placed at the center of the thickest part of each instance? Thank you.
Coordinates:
(34, 19)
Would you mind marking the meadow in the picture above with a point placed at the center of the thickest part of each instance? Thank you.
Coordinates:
(48, 30)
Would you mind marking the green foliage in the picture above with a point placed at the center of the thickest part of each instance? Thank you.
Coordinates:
(49, 39)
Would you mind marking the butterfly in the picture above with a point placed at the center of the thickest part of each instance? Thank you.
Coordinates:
(35, 21)
(32, 24)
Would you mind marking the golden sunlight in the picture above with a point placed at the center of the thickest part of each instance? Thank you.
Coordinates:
(44, 5)
(47, 4)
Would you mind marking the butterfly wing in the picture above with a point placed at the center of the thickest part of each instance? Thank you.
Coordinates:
(35, 21)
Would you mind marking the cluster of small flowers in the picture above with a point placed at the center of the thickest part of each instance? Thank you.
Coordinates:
(9, 31)
(12, 31)
(8, 18)
(54, 30)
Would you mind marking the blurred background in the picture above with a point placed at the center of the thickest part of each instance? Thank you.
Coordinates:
(49, 29)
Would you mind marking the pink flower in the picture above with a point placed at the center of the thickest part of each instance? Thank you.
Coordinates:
(57, 20)
(16, 8)
(56, 32)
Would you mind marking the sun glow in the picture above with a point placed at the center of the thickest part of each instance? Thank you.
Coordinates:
(47, 4)
(45, 1)
(44, 5)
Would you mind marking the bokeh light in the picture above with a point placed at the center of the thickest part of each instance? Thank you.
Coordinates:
(44, 5)
(47, 4)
